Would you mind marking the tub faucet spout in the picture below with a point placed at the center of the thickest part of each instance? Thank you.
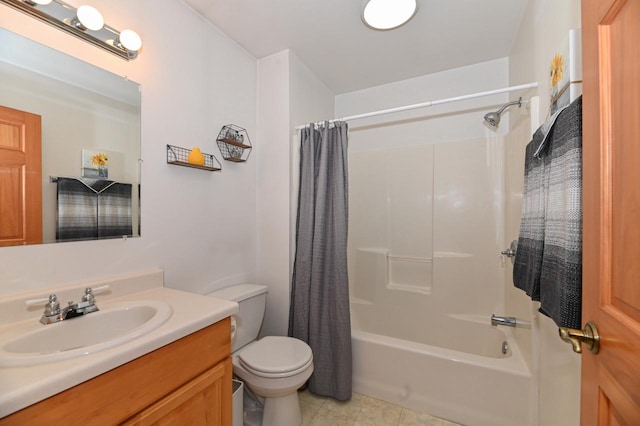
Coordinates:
(508, 321)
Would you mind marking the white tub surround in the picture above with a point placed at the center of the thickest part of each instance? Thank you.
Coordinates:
(426, 228)
(23, 386)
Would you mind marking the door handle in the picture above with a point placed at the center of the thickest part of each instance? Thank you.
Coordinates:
(589, 336)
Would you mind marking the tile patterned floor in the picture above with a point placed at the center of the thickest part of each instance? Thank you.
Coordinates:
(361, 410)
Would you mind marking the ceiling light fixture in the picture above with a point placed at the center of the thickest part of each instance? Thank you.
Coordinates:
(86, 22)
(388, 14)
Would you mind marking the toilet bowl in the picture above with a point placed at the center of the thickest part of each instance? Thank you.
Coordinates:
(274, 367)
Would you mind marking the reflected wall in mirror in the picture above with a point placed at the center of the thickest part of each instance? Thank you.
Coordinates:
(81, 108)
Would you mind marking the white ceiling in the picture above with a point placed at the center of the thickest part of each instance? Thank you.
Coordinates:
(330, 38)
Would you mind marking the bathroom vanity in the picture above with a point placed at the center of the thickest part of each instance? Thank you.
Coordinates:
(178, 373)
(185, 382)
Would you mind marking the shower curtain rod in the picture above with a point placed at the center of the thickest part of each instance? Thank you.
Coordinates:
(431, 103)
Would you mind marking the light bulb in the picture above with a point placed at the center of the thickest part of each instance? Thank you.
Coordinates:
(388, 14)
(90, 18)
(130, 40)
(42, 2)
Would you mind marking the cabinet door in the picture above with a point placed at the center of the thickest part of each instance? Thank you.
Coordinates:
(205, 400)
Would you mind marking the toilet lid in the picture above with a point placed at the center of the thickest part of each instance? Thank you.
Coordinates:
(276, 354)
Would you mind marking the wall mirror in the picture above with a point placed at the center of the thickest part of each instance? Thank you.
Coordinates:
(89, 147)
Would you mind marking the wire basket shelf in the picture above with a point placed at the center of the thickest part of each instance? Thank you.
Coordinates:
(234, 143)
(180, 157)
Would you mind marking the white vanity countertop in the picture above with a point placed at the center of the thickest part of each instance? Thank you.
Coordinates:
(24, 386)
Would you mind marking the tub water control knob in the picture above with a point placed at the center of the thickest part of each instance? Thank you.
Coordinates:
(511, 251)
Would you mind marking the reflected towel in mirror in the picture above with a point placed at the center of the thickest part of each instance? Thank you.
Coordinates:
(93, 209)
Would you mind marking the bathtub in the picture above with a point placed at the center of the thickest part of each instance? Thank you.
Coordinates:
(453, 367)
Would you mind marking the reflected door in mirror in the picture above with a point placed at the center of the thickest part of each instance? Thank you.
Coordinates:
(20, 178)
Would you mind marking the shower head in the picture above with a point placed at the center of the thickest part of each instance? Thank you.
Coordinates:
(493, 118)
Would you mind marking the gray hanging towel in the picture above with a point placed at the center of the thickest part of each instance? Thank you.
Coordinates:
(528, 261)
(548, 263)
(77, 206)
(114, 211)
(89, 209)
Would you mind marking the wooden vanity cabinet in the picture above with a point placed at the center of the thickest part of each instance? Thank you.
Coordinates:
(187, 382)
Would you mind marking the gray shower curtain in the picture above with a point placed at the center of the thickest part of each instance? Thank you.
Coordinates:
(319, 310)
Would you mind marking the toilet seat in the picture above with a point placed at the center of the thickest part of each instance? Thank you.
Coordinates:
(276, 357)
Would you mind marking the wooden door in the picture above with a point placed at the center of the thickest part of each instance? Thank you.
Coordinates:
(611, 246)
(20, 178)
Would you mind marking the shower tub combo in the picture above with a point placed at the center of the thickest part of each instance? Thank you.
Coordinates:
(426, 227)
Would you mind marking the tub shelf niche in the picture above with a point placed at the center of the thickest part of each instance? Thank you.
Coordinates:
(376, 271)
(410, 274)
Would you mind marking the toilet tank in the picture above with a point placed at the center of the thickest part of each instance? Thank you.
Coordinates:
(252, 299)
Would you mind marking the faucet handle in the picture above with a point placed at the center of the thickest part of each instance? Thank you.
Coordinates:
(90, 292)
(97, 290)
(52, 307)
(39, 302)
(88, 296)
(52, 312)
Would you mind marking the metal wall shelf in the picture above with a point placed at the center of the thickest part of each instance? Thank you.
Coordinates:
(179, 156)
(234, 143)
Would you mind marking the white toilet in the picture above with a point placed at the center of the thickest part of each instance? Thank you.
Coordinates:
(273, 367)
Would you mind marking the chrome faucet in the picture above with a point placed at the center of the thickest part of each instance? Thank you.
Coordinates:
(86, 305)
(53, 313)
(508, 321)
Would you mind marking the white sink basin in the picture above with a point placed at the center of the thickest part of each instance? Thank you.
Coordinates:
(33, 343)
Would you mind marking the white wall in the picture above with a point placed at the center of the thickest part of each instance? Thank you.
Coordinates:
(289, 94)
(273, 188)
(199, 226)
(544, 29)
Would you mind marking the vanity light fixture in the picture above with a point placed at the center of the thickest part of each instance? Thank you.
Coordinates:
(88, 18)
(129, 40)
(86, 22)
(388, 14)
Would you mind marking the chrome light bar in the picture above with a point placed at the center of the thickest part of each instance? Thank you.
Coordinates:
(65, 17)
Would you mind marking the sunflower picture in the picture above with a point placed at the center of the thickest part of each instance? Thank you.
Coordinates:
(556, 69)
(559, 81)
(100, 159)
(95, 164)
